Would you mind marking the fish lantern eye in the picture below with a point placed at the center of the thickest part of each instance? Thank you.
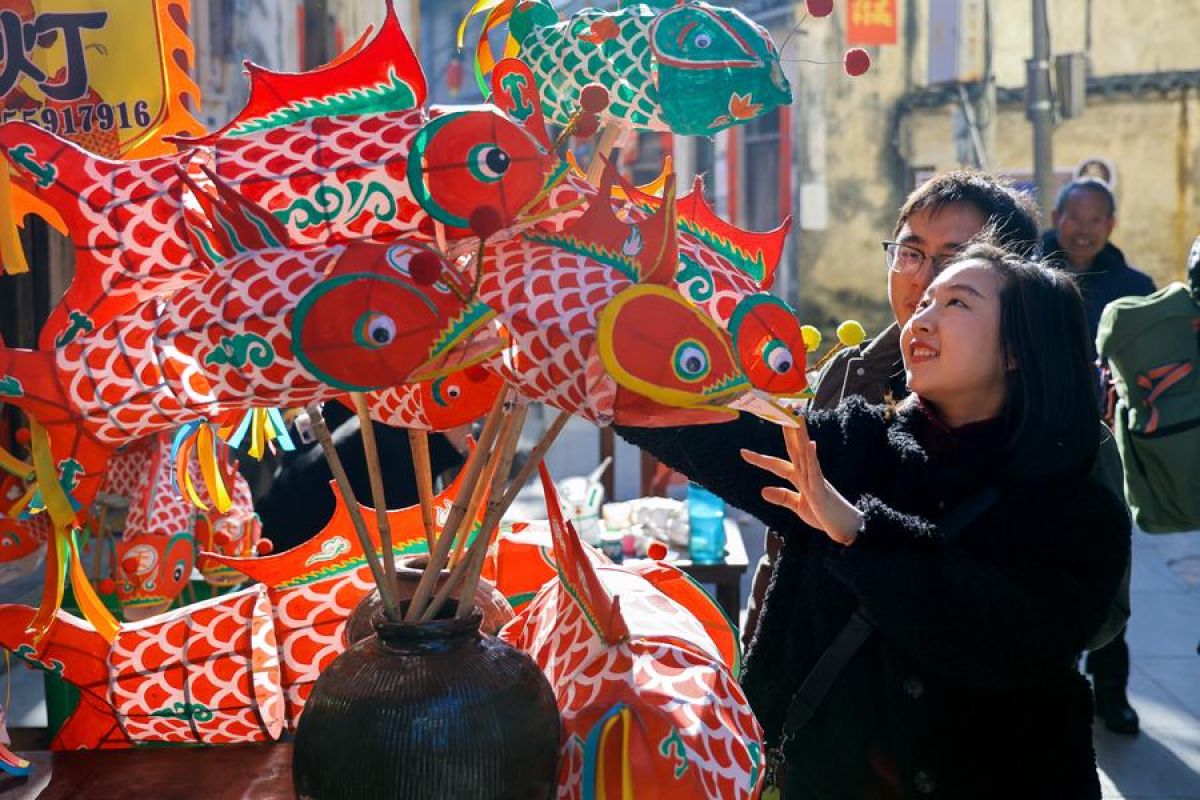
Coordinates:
(487, 162)
(375, 330)
(778, 357)
(702, 40)
(177, 573)
(691, 361)
(453, 392)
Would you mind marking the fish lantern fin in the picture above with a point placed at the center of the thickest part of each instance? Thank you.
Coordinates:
(577, 573)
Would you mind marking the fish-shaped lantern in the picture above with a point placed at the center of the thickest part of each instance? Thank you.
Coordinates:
(644, 693)
(342, 154)
(685, 67)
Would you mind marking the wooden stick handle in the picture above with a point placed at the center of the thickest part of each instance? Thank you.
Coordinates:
(378, 497)
(535, 457)
(492, 518)
(386, 590)
(418, 443)
(507, 448)
(441, 551)
(608, 140)
(477, 498)
(830, 353)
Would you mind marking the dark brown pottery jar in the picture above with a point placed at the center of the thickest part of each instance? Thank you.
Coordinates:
(428, 710)
(369, 611)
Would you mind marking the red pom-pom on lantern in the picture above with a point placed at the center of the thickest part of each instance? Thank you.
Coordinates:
(656, 551)
(586, 126)
(106, 586)
(264, 547)
(425, 268)
(856, 62)
(485, 221)
(593, 98)
(819, 8)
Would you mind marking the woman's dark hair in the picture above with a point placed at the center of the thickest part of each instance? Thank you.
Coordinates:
(1052, 422)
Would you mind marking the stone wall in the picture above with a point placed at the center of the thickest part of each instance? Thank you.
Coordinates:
(857, 153)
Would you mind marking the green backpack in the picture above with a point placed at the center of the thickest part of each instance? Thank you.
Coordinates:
(1152, 348)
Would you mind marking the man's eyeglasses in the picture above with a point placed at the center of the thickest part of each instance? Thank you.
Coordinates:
(909, 260)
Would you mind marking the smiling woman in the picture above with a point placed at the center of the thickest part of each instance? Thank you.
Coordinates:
(949, 359)
(958, 539)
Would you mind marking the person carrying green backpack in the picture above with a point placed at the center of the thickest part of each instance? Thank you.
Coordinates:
(1152, 348)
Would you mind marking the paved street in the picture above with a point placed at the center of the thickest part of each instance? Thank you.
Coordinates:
(1164, 761)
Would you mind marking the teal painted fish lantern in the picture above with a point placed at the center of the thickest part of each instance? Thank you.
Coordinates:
(688, 68)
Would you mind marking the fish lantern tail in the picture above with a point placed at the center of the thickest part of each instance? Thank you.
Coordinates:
(577, 573)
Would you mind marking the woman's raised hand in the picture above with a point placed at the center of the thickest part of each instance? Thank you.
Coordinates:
(812, 498)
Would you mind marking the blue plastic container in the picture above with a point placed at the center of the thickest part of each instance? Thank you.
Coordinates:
(706, 521)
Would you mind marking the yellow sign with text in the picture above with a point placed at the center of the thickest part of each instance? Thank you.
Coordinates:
(109, 75)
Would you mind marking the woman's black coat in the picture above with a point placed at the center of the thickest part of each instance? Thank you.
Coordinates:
(968, 688)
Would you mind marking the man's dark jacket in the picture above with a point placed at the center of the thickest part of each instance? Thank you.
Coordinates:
(873, 370)
(968, 689)
(1109, 278)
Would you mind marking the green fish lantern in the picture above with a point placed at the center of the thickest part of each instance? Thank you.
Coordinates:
(687, 67)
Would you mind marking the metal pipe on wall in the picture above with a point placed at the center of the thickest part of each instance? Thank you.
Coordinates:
(1041, 110)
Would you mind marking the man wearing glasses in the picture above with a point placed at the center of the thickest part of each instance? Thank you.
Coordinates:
(936, 220)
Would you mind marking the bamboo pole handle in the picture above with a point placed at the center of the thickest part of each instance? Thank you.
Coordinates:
(535, 457)
(386, 590)
(379, 498)
(477, 498)
(440, 552)
(467, 596)
(418, 443)
(608, 141)
(506, 448)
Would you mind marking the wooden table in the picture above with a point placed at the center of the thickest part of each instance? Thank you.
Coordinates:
(726, 576)
(229, 772)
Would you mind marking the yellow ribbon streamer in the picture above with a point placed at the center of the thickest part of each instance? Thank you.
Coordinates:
(56, 549)
(183, 476)
(10, 240)
(63, 517)
(52, 588)
(15, 466)
(256, 434)
(479, 7)
(211, 470)
(94, 610)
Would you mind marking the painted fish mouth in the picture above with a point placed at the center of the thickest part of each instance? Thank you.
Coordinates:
(145, 601)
